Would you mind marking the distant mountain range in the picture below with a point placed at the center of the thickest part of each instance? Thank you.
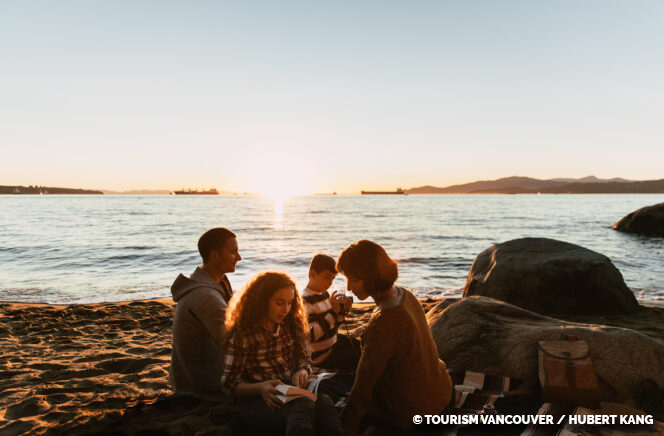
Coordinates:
(527, 185)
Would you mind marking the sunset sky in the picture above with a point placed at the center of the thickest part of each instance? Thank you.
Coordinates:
(313, 96)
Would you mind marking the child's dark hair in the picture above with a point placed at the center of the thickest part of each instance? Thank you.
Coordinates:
(323, 262)
(368, 261)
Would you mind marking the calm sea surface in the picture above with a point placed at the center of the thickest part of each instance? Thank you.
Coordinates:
(82, 249)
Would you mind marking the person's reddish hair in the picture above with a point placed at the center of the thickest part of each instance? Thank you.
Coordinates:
(368, 261)
(248, 308)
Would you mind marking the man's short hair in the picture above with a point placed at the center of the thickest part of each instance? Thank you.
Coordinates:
(323, 262)
(213, 239)
(368, 261)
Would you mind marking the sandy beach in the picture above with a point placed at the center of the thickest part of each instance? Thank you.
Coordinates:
(78, 369)
(103, 368)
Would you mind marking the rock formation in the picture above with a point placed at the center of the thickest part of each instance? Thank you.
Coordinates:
(493, 337)
(647, 221)
(550, 277)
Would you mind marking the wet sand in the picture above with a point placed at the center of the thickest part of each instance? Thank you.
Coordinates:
(103, 369)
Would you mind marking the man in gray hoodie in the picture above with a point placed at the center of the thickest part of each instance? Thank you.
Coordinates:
(198, 323)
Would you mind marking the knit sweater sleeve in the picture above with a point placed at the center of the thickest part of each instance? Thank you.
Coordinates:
(378, 345)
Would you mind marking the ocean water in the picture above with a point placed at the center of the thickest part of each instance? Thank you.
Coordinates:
(83, 249)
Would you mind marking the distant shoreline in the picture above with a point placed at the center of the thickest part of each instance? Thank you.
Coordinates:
(507, 185)
(45, 190)
(342, 195)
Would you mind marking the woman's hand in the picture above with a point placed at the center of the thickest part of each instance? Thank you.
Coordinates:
(301, 378)
(269, 393)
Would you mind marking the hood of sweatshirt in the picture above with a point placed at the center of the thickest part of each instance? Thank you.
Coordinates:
(199, 279)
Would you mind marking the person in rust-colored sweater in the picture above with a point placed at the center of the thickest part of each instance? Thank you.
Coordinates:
(399, 374)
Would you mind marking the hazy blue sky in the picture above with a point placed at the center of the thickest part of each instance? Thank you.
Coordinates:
(321, 96)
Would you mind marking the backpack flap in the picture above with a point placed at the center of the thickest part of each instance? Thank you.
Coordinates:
(566, 373)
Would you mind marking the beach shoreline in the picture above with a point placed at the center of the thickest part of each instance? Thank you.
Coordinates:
(72, 368)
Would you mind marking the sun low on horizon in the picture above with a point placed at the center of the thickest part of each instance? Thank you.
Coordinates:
(279, 177)
(279, 183)
(281, 189)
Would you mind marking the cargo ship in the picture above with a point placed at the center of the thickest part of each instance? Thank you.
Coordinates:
(211, 191)
(399, 191)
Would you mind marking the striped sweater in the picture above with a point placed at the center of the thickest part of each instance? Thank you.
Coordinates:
(323, 324)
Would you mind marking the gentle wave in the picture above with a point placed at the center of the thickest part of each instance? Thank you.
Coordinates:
(63, 249)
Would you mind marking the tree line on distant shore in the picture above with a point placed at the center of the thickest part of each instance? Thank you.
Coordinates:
(34, 189)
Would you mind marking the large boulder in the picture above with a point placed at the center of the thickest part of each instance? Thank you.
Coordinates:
(550, 277)
(647, 221)
(490, 336)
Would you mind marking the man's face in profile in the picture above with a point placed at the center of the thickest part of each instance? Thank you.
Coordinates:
(226, 258)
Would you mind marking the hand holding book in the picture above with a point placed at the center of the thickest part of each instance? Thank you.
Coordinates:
(286, 393)
(300, 378)
(270, 393)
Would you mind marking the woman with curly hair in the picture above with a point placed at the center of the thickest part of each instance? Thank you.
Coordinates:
(267, 346)
(399, 374)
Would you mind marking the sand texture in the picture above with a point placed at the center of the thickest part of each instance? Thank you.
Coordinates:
(103, 369)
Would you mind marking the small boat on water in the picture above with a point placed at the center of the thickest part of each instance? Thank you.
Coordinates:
(399, 191)
(211, 191)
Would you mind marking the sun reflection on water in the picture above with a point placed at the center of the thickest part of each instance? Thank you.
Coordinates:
(278, 207)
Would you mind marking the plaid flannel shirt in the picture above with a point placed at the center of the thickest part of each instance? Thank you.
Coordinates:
(261, 355)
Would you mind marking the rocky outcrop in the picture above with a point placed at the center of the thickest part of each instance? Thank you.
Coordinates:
(647, 221)
(550, 277)
(493, 337)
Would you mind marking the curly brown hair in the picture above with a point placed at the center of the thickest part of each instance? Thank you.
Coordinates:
(248, 308)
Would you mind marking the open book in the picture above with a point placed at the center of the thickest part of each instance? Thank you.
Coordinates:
(289, 393)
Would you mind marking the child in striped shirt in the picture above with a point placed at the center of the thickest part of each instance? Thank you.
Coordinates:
(329, 349)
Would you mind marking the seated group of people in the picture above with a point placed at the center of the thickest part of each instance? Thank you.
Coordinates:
(244, 344)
